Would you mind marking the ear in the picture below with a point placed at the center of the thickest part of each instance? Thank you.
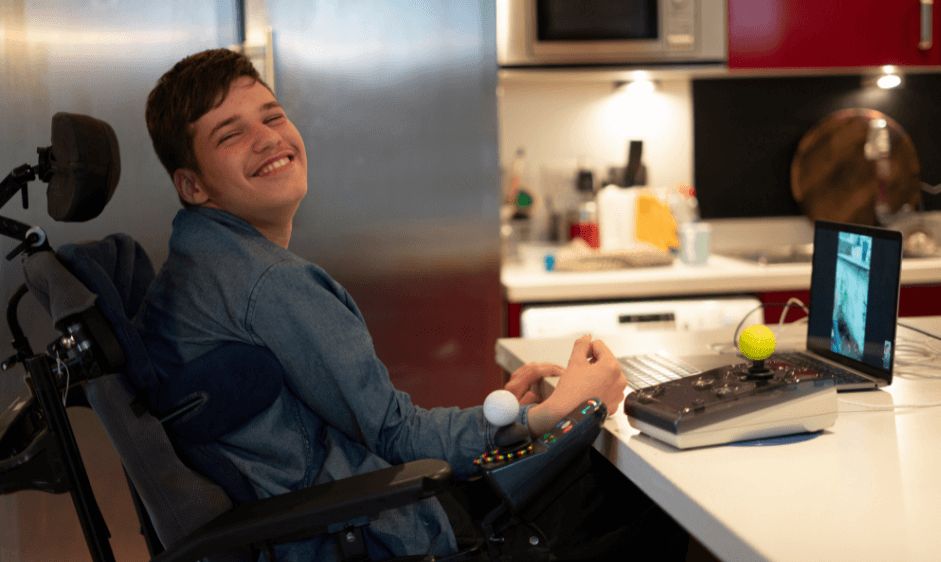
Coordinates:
(187, 186)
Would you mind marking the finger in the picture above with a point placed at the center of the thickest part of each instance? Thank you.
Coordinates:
(600, 351)
(518, 379)
(517, 392)
(535, 371)
(550, 370)
(529, 371)
(517, 386)
(536, 389)
(581, 350)
(529, 398)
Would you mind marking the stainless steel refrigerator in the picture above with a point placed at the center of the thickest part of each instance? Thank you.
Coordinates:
(396, 103)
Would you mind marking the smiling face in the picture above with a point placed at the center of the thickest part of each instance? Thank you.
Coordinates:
(252, 161)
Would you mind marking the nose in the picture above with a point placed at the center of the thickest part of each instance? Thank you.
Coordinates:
(264, 138)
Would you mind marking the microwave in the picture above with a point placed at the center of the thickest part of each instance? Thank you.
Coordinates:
(610, 32)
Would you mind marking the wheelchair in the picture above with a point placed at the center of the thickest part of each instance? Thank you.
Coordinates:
(90, 292)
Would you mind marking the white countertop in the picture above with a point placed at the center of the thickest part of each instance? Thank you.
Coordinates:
(869, 488)
(529, 282)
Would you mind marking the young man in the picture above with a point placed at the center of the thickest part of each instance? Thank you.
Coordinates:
(239, 167)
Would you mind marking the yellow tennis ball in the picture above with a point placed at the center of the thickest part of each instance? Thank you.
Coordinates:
(756, 342)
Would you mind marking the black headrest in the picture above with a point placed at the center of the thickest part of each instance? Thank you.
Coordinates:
(85, 164)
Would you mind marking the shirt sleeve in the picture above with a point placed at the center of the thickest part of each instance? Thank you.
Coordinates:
(312, 325)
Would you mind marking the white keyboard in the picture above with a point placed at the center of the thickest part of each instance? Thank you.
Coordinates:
(654, 368)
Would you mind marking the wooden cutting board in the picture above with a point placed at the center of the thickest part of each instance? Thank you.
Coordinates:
(831, 178)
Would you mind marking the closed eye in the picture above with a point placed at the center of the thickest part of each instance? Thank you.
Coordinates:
(274, 118)
(228, 136)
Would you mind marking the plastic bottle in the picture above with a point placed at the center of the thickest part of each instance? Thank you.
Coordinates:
(521, 220)
(587, 226)
(617, 217)
(683, 204)
(515, 215)
(517, 175)
(582, 217)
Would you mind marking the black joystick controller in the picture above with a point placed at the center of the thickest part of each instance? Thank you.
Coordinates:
(737, 402)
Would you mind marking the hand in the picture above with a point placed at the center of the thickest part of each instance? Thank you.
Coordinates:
(592, 372)
(524, 382)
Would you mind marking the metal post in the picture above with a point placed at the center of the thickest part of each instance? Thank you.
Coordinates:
(89, 515)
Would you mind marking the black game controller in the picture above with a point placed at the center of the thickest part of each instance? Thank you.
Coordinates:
(748, 400)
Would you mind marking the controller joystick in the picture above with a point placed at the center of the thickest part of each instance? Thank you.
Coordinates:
(502, 409)
(756, 343)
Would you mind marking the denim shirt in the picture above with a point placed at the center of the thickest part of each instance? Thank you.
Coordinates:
(338, 414)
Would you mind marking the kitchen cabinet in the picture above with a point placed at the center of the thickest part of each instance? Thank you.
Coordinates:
(834, 33)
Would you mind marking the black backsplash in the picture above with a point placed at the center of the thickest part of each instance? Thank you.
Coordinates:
(746, 131)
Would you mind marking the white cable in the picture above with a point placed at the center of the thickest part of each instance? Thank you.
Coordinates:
(911, 357)
(68, 376)
(742, 322)
(793, 301)
(919, 330)
(787, 306)
(871, 408)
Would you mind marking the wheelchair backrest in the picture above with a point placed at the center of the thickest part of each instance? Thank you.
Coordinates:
(116, 272)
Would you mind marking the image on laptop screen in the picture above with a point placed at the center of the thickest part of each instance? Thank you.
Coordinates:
(851, 297)
(854, 295)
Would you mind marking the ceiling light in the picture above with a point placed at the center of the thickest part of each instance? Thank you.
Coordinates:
(889, 81)
(637, 87)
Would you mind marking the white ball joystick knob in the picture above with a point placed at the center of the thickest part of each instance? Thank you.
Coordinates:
(501, 408)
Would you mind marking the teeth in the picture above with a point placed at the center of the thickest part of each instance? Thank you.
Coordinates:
(273, 166)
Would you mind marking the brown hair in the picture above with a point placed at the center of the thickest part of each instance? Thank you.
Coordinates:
(185, 93)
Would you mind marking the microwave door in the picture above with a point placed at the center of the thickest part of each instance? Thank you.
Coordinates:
(604, 20)
(596, 29)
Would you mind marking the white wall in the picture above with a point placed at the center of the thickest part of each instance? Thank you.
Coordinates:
(558, 121)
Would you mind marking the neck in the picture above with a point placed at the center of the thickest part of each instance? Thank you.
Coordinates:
(279, 234)
(276, 226)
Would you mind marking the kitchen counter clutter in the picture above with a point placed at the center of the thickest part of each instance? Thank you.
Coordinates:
(527, 281)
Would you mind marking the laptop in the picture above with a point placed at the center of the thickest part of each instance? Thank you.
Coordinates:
(854, 294)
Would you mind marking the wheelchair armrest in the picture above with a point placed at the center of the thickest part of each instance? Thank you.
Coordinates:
(312, 510)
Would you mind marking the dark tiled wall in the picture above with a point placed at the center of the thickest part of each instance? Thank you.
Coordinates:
(746, 130)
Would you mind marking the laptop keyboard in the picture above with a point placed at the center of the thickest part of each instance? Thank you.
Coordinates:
(839, 375)
(654, 368)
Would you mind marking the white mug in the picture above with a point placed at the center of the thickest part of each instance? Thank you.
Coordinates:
(695, 238)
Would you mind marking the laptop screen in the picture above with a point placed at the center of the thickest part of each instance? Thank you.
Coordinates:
(854, 293)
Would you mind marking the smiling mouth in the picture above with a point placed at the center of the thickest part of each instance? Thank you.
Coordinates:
(273, 167)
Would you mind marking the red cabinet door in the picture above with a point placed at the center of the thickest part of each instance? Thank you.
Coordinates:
(914, 300)
(829, 33)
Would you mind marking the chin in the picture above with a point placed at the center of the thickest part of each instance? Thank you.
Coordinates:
(299, 196)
